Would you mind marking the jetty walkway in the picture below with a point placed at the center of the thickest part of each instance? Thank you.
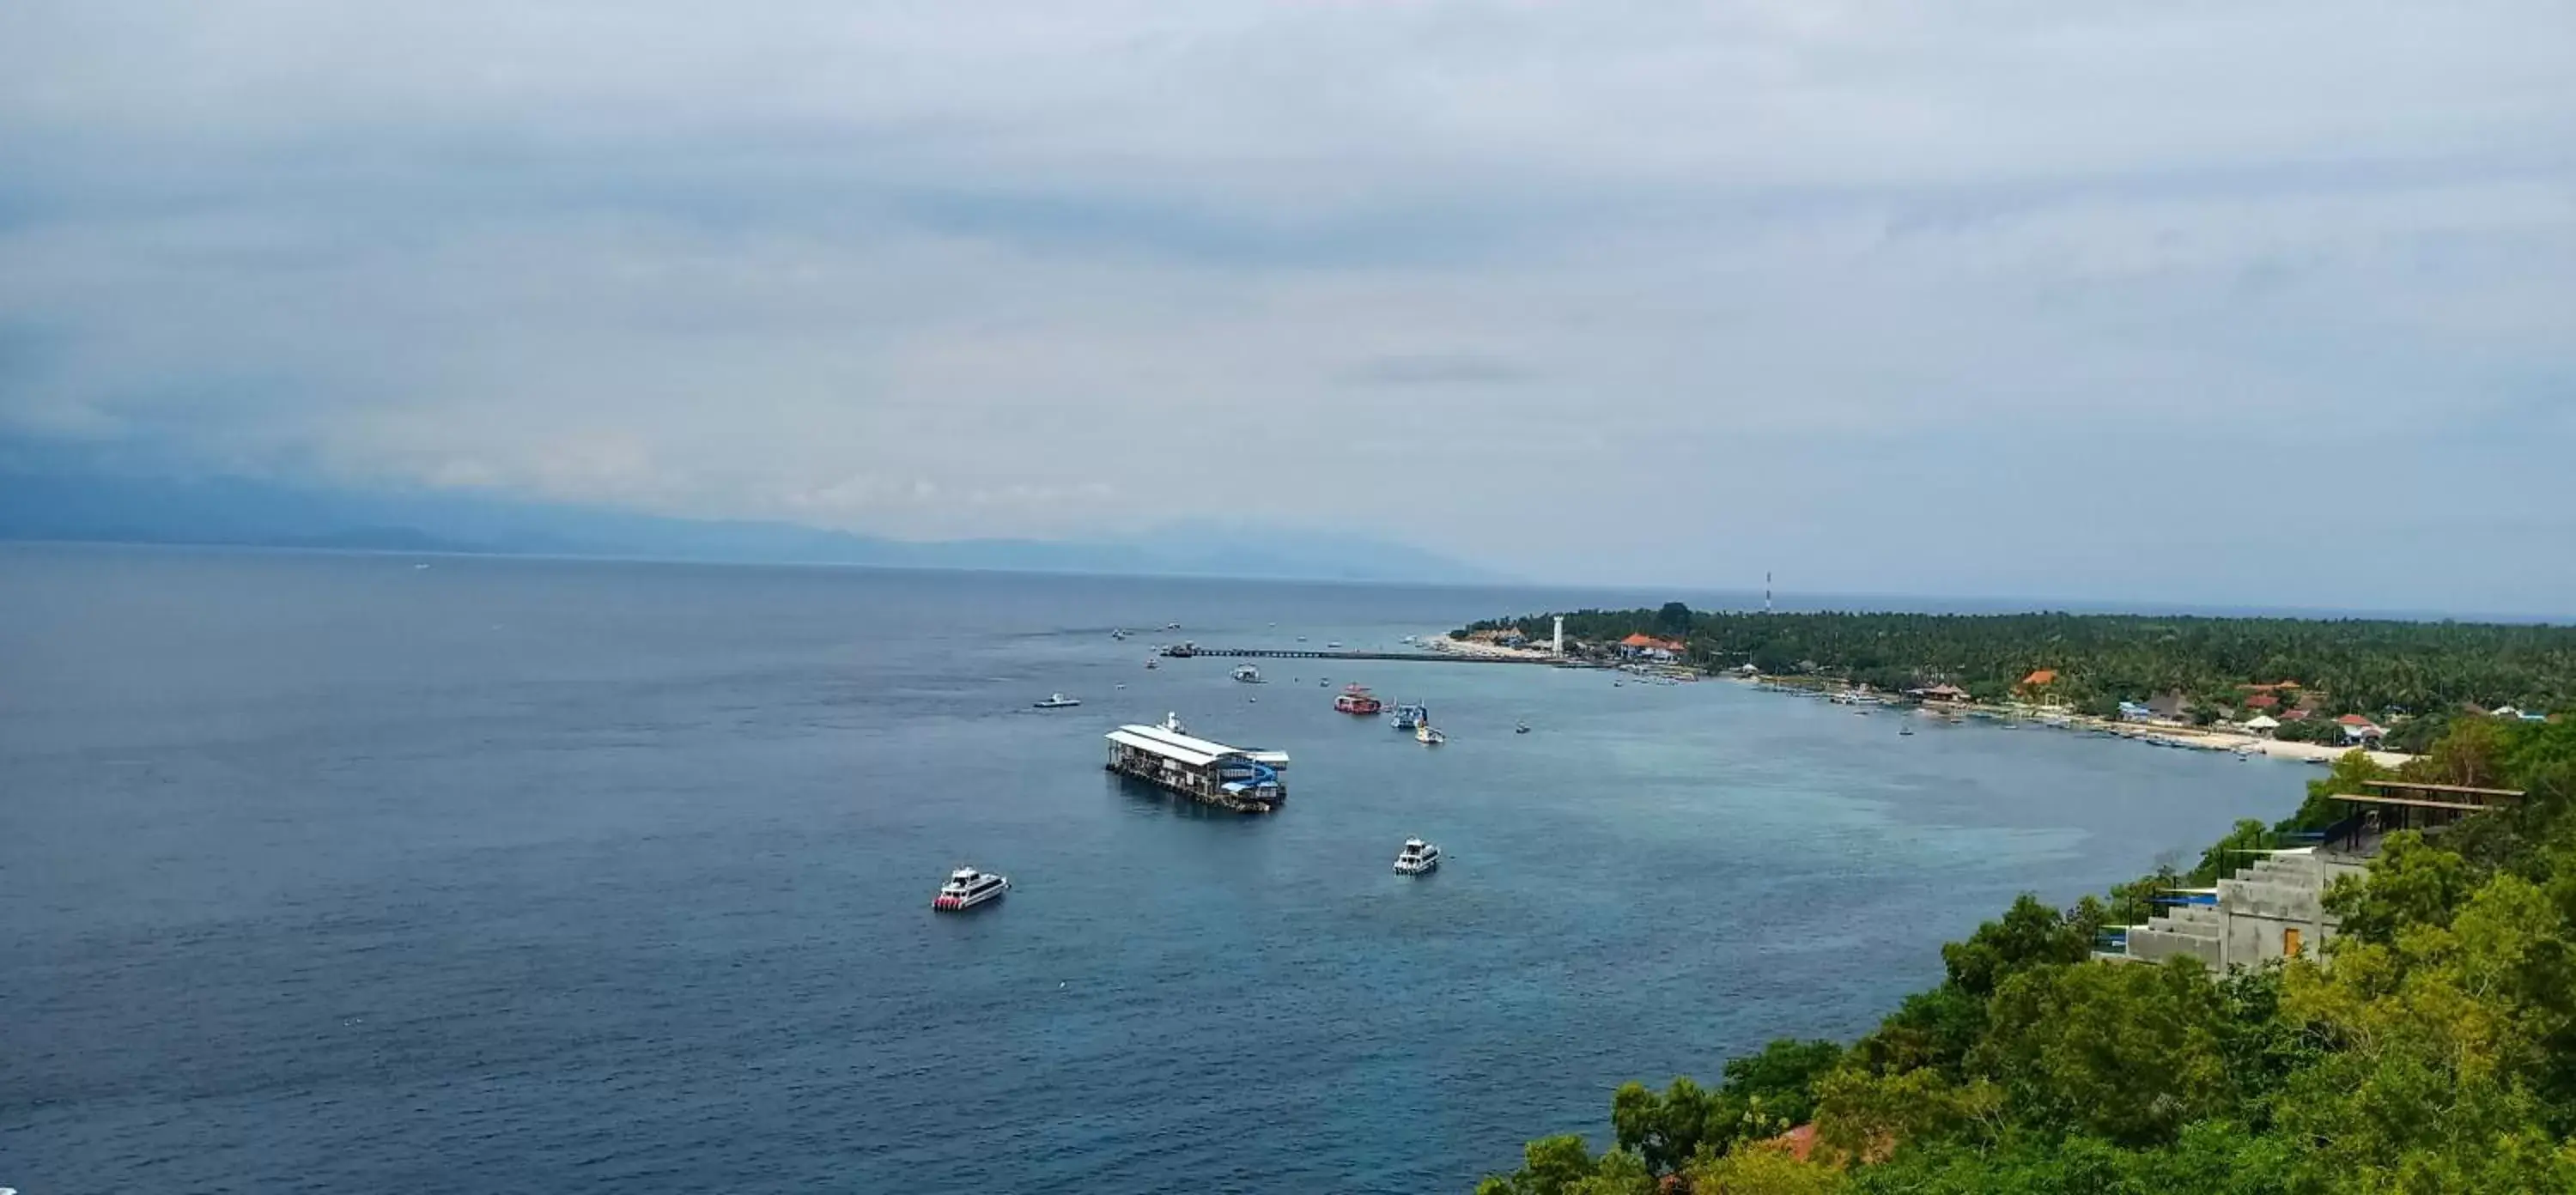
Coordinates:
(1186, 651)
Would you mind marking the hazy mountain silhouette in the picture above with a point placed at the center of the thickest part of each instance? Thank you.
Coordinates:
(71, 499)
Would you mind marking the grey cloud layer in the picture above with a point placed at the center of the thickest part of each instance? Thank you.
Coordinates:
(1772, 272)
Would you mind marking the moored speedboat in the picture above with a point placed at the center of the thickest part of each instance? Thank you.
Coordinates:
(1520, 728)
(1427, 736)
(1416, 858)
(1057, 701)
(1247, 674)
(967, 888)
(1409, 715)
(1356, 699)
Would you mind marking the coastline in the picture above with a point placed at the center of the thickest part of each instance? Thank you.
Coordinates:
(2194, 737)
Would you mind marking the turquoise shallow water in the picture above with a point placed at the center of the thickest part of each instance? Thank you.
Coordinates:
(329, 873)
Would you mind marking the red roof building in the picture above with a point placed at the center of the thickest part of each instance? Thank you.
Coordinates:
(2262, 701)
(2039, 678)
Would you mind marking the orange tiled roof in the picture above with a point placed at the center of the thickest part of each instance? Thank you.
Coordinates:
(2043, 676)
(1800, 1141)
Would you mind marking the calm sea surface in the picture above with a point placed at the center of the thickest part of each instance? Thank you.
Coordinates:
(331, 873)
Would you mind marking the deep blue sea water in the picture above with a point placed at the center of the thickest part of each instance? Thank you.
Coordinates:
(330, 873)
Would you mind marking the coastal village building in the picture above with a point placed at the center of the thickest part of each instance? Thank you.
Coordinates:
(1647, 647)
(2276, 907)
(1947, 693)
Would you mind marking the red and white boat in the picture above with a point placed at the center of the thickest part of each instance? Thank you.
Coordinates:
(967, 888)
(1356, 699)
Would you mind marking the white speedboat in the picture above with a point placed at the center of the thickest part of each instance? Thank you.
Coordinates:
(967, 888)
(1416, 858)
(1058, 701)
(1520, 728)
(1427, 736)
(1247, 674)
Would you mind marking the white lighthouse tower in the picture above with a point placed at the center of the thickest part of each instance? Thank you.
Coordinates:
(1557, 644)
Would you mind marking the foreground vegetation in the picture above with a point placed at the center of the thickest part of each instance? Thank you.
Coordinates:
(2434, 1050)
(2379, 668)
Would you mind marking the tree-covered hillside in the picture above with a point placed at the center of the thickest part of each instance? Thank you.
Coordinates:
(2433, 1050)
(2374, 667)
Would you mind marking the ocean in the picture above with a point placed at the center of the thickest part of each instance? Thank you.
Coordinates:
(336, 873)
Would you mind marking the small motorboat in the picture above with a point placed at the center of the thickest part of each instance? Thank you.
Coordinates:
(1520, 728)
(1356, 699)
(1058, 701)
(967, 888)
(1152, 664)
(1904, 730)
(1247, 674)
(1416, 858)
(1428, 737)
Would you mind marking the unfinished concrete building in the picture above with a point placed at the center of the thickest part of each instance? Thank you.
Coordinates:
(2275, 908)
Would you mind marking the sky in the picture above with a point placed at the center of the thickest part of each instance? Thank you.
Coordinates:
(2180, 301)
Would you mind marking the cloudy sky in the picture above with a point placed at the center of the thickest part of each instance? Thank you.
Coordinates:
(2257, 303)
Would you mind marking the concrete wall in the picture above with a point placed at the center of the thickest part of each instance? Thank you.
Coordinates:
(2255, 906)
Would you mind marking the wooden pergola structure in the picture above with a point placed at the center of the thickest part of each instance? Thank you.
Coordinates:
(2394, 805)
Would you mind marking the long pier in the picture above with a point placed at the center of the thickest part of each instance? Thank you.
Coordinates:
(1183, 652)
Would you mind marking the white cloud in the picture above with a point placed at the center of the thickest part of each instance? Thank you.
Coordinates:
(1035, 268)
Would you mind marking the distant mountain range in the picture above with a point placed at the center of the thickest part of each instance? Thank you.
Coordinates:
(55, 503)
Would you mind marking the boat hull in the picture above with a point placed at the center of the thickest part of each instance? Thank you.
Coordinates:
(945, 903)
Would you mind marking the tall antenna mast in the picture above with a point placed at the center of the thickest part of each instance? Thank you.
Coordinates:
(1766, 593)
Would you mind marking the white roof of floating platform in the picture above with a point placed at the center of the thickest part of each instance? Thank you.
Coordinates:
(1189, 749)
(1131, 736)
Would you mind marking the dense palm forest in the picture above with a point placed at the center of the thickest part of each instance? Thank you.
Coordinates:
(2433, 1050)
(2376, 667)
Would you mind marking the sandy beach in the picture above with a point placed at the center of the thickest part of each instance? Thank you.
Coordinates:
(1440, 641)
(2203, 737)
(2238, 741)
